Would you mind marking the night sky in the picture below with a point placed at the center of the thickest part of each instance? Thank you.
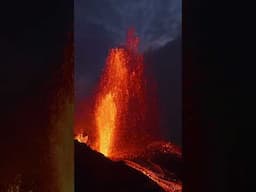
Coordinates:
(102, 24)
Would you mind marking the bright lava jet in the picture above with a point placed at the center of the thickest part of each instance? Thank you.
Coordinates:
(121, 83)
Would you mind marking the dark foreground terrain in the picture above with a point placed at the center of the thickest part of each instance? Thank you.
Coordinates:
(94, 172)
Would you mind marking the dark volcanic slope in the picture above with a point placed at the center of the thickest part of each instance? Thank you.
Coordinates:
(96, 173)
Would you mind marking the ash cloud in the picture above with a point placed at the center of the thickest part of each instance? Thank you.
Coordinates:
(157, 22)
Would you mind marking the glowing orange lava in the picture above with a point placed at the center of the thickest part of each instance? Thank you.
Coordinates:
(111, 99)
(106, 119)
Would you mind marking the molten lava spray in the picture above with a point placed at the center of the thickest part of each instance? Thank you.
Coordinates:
(106, 117)
(121, 108)
(121, 83)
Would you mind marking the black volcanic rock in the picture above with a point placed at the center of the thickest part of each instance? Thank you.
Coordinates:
(168, 157)
(96, 173)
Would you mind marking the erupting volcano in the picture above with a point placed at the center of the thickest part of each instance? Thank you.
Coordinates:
(121, 122)
(123, 114)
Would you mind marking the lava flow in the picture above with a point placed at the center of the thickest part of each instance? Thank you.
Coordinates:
(167, 185)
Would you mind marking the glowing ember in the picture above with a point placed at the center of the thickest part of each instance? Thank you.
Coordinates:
(81, 138)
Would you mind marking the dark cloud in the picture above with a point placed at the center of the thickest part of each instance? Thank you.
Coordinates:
(102, 24)
(156, 21)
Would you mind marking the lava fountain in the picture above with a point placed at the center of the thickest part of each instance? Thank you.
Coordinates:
(121, 109)
(113, 96)
(106, 120)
